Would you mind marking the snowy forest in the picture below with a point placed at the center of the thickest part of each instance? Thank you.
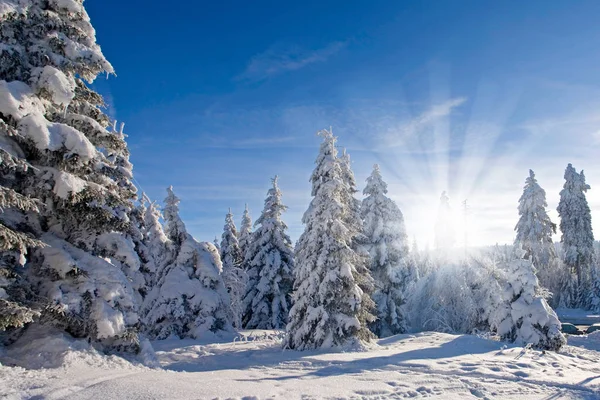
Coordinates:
(85, 254)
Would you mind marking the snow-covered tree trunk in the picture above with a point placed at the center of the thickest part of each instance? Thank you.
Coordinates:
(330, 309)
(390, 265)
(525, 317)
(270, 260)
(234, 276)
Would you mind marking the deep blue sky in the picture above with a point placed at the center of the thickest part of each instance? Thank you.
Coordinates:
(463, 96)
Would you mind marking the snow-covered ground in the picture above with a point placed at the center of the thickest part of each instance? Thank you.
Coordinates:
(403, 366)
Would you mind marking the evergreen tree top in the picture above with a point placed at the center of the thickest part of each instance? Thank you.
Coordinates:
(245, 227)
(534, 224)
(230, 224)
(273, 205)
(230, 247)
(230, 233)
(174, 226)
(530, 180)
(346, 166)
(444, 199)
(246, 218)
(574, 182)
(575, 216)
(375, 183)
(533, 195)
(327, 165)
(172, 200)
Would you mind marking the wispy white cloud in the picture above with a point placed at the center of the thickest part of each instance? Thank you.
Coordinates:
(278, 59)
(585, 124)
(401, 134)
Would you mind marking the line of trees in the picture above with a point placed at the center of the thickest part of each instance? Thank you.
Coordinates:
(78, 253)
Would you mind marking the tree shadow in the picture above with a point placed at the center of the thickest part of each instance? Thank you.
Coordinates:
(459, 346)
(226, 356)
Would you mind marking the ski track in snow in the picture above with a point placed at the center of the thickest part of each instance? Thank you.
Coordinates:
(432, 365)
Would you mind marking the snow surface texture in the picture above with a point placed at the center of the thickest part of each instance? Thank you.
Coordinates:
(254, 367)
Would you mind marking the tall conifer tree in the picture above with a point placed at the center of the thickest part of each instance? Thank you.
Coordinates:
(330, 309)
(387, 243)
(245, 235)
(51, 120)
(577, 239)
(534, 234)
(234, 276)
(270, 258)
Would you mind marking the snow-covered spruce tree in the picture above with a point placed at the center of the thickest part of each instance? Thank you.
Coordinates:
(329, 308)
(189, 298)
(52, 120)
(153, 246)
(245, 235)
(534, 234)
(270, 258)
(445, 235)
(525, 317)
(234, 276)
(387, 244)
(174, 227)
(577, 239)
(139, 240)
(157, 242)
